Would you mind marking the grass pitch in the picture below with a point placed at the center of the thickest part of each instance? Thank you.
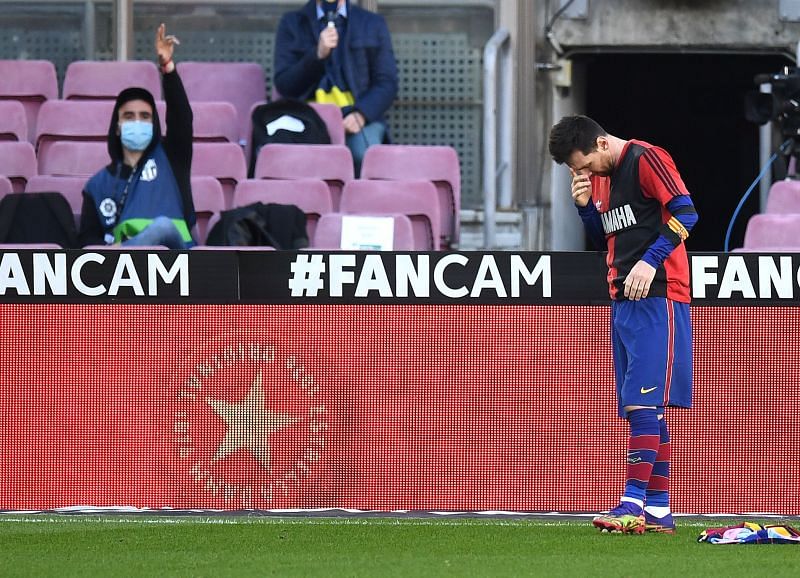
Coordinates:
(110, 545)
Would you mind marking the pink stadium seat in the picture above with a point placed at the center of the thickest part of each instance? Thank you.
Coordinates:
(773, 232)
(215, 122)
(233, 248)
(6, 188)
(72, 120)
(332, 115)
(17, 163)
(223, 161)
(784, 197)
(74, 158)
(82, 120)
(438, 164)
(311, 196)
(125, 248)
(31, 82)
(70, 187)
(105, 79)
(15, 246)
(240, 83)
(328, 235)
(13, 122)
(209, 202)
(331, 163)
(415, 199)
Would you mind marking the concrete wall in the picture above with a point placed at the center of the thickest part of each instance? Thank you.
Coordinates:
(681, 24)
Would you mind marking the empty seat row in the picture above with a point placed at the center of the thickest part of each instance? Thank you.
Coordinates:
(241, 84)
(415, 200)
(226, 163)
(778, 228)
(411, 205)
(214, 121)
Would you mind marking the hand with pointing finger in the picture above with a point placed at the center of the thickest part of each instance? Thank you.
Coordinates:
(165, 46)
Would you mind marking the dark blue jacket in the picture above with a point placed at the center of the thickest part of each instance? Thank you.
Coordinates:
(369, 65)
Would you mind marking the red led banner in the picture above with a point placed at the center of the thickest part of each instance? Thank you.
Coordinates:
(377, 407)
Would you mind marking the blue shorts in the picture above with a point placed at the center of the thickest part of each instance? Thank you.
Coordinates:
(652, 345)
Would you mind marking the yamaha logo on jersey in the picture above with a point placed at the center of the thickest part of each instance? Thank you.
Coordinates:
(617, 219)
(150, 171)
(108, 209)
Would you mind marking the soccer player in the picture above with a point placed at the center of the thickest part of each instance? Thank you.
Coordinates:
(633, 203)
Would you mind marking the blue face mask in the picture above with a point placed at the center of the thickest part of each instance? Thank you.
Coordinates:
(136, 134)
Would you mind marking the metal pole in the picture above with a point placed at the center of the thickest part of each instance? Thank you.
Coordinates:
(89, 40)
(764, 153)
(124, 29)
(490, 53)
(505, 200)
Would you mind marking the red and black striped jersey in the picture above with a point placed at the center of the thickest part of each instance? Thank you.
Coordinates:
(632, 206)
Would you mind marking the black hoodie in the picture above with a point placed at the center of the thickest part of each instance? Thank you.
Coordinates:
(177, 146)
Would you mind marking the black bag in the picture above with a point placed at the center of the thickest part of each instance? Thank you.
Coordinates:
(257, 224)
(285, 121)
(37, 218)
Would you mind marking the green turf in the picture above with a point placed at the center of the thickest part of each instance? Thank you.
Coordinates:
(139, 546)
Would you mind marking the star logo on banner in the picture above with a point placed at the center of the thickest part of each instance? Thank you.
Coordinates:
(250, 424)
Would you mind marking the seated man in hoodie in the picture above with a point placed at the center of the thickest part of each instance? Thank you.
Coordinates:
(144, 196)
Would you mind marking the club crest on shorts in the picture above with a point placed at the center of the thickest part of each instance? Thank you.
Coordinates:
(250, 426)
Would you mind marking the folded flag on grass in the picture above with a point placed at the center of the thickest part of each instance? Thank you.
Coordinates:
(751, 533)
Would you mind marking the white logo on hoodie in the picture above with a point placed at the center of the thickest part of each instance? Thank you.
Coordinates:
(150, 171)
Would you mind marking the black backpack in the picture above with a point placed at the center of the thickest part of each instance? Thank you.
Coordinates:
(259, 224)
(37, 218)
(285, 121)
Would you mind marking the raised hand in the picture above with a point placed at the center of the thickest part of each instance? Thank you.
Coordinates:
(165, 46)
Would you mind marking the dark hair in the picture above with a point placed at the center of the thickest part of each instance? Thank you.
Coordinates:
(573, 133)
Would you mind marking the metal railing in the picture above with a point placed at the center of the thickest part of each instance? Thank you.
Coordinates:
(497, 103)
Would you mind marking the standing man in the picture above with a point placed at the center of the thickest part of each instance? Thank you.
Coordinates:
(633, 203)
(144, 196)
(333, 52)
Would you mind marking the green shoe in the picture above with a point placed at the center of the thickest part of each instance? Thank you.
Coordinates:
(626, 518)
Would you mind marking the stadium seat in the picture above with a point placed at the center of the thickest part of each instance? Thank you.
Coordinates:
(331, 163)
(414, 198)
(332, 115)
(215, 122)
(241, 83)
(209, 202)
(438, 164)
(311, 196)
(78, 120)
(17, 163)
(31, 82)
(105, 79)
(773, 231)
(15, 246)
(72, 120)
(125, 248)
(13, 122)
(223, 161)
(784, 197)
(71, 187)
(328, 234)
(74, 158)
(233, 248)
(6, 188)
